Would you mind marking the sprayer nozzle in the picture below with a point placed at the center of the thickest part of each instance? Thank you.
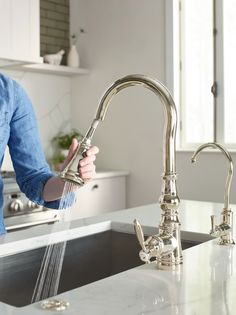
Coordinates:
(72, 177)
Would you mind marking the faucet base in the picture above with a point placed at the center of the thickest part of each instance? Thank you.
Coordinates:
(169, 268)
(169, 262)
(226, 242)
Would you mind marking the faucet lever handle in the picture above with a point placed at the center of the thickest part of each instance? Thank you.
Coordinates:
(212, 223)
(139, 233)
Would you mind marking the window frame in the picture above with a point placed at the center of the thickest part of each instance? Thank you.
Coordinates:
(173, 71)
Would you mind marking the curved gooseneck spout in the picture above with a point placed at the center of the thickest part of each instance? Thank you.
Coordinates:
(169, 200)
(224, 230)
(230, 170)
(169, 107)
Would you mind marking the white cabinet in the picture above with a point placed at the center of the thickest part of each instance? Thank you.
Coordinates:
(20, 30)
(103, 194)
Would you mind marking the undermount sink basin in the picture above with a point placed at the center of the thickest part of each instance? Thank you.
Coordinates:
(87, 259)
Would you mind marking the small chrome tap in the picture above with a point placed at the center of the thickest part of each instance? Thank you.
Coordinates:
(225, 229)
(169, 228)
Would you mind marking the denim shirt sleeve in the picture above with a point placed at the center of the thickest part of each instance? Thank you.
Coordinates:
(32, 170)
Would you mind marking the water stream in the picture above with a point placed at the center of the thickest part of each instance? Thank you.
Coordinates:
(50, 271)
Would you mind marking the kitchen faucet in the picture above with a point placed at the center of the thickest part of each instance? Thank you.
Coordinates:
(164, 248)
(225, 229)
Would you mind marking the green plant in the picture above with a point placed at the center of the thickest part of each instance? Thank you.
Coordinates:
(57, 158)
(63, 140)
(56, 161)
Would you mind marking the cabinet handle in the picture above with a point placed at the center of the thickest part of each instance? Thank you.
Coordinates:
(95, 187)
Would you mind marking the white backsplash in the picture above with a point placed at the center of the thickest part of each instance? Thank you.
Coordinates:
(51, 99)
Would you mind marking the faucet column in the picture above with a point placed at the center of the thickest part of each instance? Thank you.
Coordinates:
(169, 200)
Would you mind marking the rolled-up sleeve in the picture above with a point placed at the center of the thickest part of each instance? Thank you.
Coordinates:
(31, 167)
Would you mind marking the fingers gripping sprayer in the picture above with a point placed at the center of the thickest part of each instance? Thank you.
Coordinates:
(70, 172)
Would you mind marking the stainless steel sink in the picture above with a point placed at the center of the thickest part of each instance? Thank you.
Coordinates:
(87, 259)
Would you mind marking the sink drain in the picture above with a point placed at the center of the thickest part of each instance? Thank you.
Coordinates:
(54, 305)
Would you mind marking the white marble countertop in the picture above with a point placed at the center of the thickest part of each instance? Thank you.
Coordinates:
(204, 284)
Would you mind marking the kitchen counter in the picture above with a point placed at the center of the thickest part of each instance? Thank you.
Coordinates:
(204, 284)
(110, 173)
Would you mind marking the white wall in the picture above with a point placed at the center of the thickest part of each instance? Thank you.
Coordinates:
(122, 38)
(125, 37)
(51, 99)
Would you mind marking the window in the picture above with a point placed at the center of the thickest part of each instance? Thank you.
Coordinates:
(229, 62)
(204, 65)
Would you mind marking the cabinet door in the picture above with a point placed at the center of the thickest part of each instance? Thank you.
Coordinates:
(20, 30)
(99, 196)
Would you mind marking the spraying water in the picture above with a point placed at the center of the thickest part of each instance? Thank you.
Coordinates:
(50, 271)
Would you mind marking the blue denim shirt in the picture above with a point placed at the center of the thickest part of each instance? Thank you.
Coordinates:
(18, 130)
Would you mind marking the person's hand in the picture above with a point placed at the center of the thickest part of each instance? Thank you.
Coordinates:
(86, 167)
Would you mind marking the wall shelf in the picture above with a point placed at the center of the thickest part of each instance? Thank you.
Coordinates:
(50, 69)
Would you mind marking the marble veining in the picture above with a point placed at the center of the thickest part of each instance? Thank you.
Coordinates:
(204, 284)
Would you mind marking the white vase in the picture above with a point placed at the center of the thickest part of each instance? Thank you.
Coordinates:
(73, 57)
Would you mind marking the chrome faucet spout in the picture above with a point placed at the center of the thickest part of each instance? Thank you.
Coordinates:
(169, 107)
(169, 200)
(224, 230)
(230, 170)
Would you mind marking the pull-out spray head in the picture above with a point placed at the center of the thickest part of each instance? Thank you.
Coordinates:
(71, 172)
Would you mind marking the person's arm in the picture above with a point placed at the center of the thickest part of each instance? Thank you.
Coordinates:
(32, 170)
(33, 174)
(53, 188)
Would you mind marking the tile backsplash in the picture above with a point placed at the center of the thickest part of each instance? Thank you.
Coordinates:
(54, 27)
